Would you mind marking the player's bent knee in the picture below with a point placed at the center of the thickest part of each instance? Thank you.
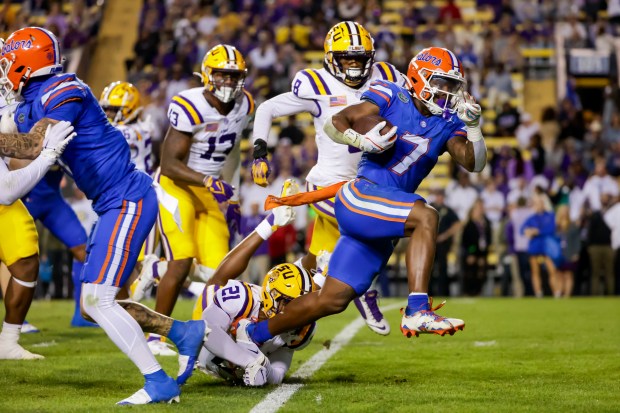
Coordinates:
(421, 216)
(26, 269)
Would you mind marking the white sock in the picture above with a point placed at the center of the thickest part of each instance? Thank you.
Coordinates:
(10, 332)
(122, 329)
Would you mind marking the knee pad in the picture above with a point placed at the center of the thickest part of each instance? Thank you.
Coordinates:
(27, 284)
(97, 297)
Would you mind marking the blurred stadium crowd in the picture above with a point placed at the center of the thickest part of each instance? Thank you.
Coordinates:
(561, 164)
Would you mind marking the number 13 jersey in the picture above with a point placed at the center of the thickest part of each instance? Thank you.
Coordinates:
(213, 135)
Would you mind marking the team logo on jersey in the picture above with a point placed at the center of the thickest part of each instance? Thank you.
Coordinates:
(423, 124)
(211, 127)
(403, 98)
(21, 118)
(337, 101)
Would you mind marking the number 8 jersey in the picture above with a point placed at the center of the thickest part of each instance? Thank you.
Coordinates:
(213, 135)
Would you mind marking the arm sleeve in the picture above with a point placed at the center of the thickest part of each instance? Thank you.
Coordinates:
(282, 105)
(16, 184)
(280, 362)
(220, 343)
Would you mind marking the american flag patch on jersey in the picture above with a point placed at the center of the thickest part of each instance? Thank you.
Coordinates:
(337, 101)
(211, 127)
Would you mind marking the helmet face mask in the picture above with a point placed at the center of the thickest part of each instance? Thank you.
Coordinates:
(27, 53)
(436, 78)
(223, 72)
(121, 102)
(349, 41)
(282, 284)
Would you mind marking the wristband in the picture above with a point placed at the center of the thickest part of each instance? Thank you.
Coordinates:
(474, 134)
(266, 228)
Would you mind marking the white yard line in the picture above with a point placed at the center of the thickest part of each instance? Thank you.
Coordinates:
(277, 398)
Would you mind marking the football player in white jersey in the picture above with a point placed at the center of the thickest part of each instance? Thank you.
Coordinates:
(121, 103)
(349, 68)
(204, 135)
(223, 307)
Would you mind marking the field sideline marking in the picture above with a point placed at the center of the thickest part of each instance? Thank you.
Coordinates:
(278, 397)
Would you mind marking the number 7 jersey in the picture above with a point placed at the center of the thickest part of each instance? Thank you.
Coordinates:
(421, 139)
(213, 135)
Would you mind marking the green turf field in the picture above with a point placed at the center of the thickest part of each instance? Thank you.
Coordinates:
(514, 355)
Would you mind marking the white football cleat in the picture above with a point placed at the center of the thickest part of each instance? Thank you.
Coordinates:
(256, 373)
(369, 309)
(147, 279)
(161, 348)
(154, 392)
(13, 351)
(28, 328)
(428, 322)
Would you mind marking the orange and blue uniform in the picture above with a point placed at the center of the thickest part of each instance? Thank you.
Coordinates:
(99, 161)
(372, 209)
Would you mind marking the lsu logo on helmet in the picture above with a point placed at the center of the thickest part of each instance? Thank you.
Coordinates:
(435, 76)
(121, 102)
(27, 53)
(283, 283)
(223, 72)
(349, 40)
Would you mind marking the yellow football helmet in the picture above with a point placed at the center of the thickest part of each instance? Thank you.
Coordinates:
(121, 102)
(351, 40)
(283, 283)
(219, 62)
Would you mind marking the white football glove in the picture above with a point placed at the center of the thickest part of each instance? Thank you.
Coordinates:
(7, 123)
(372, 141)
(257, 372)
(57, 137)
(468, 110)
(283, 215)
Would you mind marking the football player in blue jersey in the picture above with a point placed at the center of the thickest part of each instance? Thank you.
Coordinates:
(99, 161)
(432, 115)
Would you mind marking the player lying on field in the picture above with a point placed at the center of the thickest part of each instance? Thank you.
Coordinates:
(226, 305)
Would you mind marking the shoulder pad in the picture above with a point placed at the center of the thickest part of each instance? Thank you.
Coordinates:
(61, 89)
(309, 84)
(183, 113)
(387, 72)
(236, 299)
(247, 97)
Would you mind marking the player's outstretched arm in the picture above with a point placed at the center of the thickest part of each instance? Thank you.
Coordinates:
(340, 128)
(237, 260)
(470, 152)
(16, 184)
(25, 145)
(285, 104)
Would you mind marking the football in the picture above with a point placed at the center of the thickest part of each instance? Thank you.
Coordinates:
(366, 123)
